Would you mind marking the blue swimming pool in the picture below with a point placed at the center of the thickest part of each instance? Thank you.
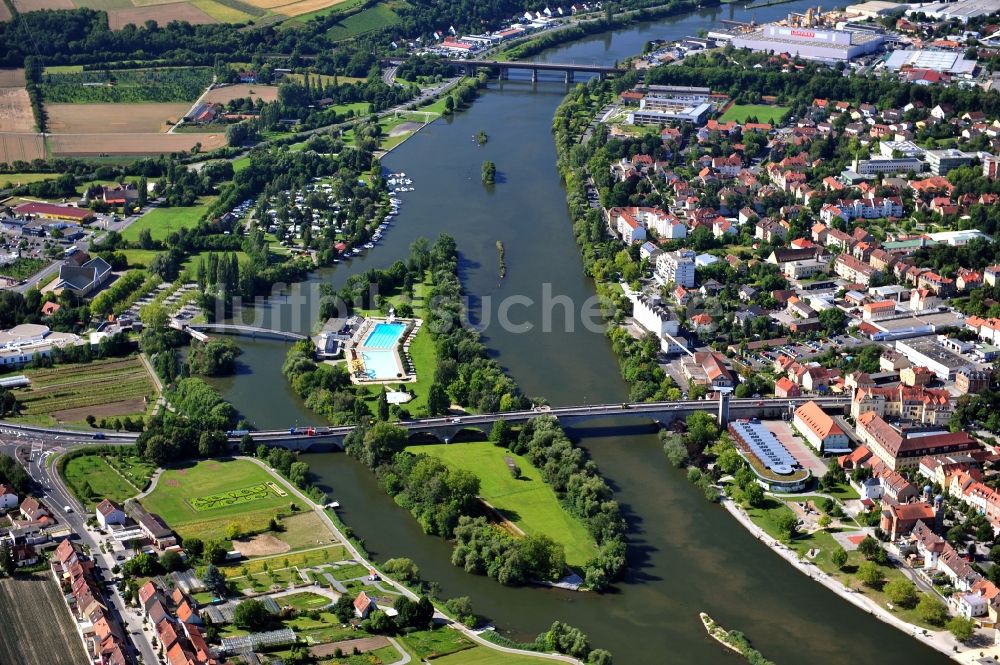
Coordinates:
(380, 365)
(384, 335)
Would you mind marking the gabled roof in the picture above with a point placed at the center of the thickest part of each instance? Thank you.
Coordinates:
(822, 425)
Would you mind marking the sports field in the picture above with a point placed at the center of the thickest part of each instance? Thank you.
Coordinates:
(35, 625)
(161, 222)
(763, 113)
(528, 502)
(69, 393)
(180, 490)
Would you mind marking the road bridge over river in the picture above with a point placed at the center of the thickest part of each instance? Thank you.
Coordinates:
(447, 428)
(502, 68)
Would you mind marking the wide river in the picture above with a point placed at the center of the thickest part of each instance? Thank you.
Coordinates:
(685, 554)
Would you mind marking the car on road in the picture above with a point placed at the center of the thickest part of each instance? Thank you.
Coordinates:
(67, 509)
(100, 436)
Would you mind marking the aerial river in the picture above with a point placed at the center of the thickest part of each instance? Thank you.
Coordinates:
(685, 554)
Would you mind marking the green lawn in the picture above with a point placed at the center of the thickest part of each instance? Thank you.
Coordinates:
(171, 499)
(139, 258)
(15, 179)
(528, 502)
(161, 222)
(92, 480)
(487, 656)
(763, 113)
(241, 163)
(304, 601)
(433, 644)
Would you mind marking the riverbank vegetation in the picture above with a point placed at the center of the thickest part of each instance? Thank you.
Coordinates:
(489, 173)
(735, 640)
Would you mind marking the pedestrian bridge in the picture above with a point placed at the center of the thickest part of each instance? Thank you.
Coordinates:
(245, 331)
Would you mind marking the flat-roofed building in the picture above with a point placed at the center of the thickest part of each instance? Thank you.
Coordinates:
(928, 352)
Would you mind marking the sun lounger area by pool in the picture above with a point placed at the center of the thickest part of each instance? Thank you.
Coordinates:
(378, 351)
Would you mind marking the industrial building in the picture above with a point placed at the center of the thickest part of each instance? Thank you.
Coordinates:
(962, 10)
(826, 45)
(929, 352)
(947, 62)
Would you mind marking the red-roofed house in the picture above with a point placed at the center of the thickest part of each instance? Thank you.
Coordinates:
(820, 429)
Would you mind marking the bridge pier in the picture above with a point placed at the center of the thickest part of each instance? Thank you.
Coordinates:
(723, 416)
(534, 76)
(504, 73)
(569, 76)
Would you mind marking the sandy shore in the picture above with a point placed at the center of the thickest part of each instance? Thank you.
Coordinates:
(941, 640)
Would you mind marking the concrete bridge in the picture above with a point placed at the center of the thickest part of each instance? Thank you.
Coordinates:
(245, 331)
(661, 413)
(503, 67)
(445, 429)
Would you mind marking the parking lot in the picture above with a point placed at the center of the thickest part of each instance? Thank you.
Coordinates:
(797, 446)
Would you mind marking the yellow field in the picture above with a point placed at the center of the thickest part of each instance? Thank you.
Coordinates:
(307, 6)
(268, 4)
(220, 12)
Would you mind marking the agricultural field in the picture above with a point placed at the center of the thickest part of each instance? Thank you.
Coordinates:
(69, 393)
(762, 112)
(161, 222)
(11, 78)
(113, 118)
(179, 490)
(21, 147)
(98, 145)
(15, 110)
(269, 93)
(334, 8)
(91, 479)
(126, 86)
(527, 502)
(162, 14)
(35, 625)
(35, 5)
(229, 11)
(373, 18)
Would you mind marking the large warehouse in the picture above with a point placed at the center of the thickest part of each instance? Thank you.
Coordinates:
(810, 43)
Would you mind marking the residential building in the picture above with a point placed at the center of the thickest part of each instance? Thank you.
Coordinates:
(708, 368)
(108, 513)
(649, 312)
(85, 279)
(676, 268)
(896, 449)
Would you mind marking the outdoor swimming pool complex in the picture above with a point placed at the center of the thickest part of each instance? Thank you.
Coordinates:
(384, 336)
(380, 365)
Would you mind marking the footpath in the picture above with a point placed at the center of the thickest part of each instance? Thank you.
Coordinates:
(940, 640)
